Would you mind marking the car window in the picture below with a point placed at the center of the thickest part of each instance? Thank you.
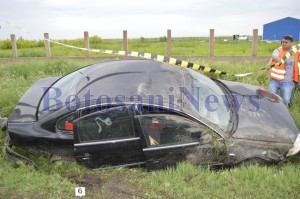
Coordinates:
(113, 123)
(209, 98)
(164, 129)
(56, 95)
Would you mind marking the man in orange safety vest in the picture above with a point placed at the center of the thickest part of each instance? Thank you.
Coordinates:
(283, 76)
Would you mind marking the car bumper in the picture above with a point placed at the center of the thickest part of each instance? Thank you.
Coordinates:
(14, 156)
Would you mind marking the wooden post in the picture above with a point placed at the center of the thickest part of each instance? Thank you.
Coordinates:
(87, 43)
(125, 40)
(211, 42)
(14, 45)
(254, 42)
(169, 42)
(47, 45)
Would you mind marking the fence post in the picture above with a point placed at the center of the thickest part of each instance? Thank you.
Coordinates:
(14, 45)
(169, 42)
(211, 42)
(87, 43)
(125, 40)
(254, 42)
(47, 45)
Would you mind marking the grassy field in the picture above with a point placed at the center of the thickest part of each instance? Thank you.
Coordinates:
(59, 180)
(190, 46)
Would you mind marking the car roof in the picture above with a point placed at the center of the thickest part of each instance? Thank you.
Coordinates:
(143, 81)
(133, 79)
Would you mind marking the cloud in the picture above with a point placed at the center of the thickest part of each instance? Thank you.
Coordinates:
(69, 18)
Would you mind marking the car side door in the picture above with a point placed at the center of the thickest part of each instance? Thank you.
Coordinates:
(173, 138)
(107, 138)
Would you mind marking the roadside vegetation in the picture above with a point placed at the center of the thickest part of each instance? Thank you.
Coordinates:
(49, 180)
(187, 46)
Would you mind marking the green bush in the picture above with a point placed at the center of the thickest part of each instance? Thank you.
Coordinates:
(5, 44)
(163, 39)
(22, 43)
(95, 40)
(143, 39)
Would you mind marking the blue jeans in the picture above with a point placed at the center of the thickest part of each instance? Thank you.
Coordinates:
(286, 89)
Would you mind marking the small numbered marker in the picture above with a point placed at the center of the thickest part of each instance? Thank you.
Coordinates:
(80, 191)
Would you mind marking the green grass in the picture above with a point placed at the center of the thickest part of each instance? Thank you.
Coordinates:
(187, 181)
(190, 46)
(59, 180)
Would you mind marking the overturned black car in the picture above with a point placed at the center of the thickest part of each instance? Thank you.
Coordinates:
(152, 114)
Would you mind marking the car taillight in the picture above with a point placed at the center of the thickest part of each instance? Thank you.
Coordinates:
(69, 126)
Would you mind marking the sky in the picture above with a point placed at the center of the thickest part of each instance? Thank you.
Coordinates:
(68, 19)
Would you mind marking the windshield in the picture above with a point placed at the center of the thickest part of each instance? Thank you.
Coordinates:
(60, 93)
(209, 100)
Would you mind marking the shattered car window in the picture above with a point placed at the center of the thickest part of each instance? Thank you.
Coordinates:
(170, 129)
(106, 124)
(210, 100)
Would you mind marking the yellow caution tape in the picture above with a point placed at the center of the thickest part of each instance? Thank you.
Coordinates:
(160, 58)
(288, 55)
(167, 59)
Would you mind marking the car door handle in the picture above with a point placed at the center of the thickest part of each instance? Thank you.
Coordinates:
(154, 161)
(86, 156)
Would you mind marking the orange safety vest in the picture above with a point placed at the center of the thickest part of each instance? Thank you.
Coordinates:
(278, 72)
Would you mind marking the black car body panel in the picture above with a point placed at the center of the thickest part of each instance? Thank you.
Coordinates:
(107, 153)
(143, 112)
(270, 121)
(23, 127)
